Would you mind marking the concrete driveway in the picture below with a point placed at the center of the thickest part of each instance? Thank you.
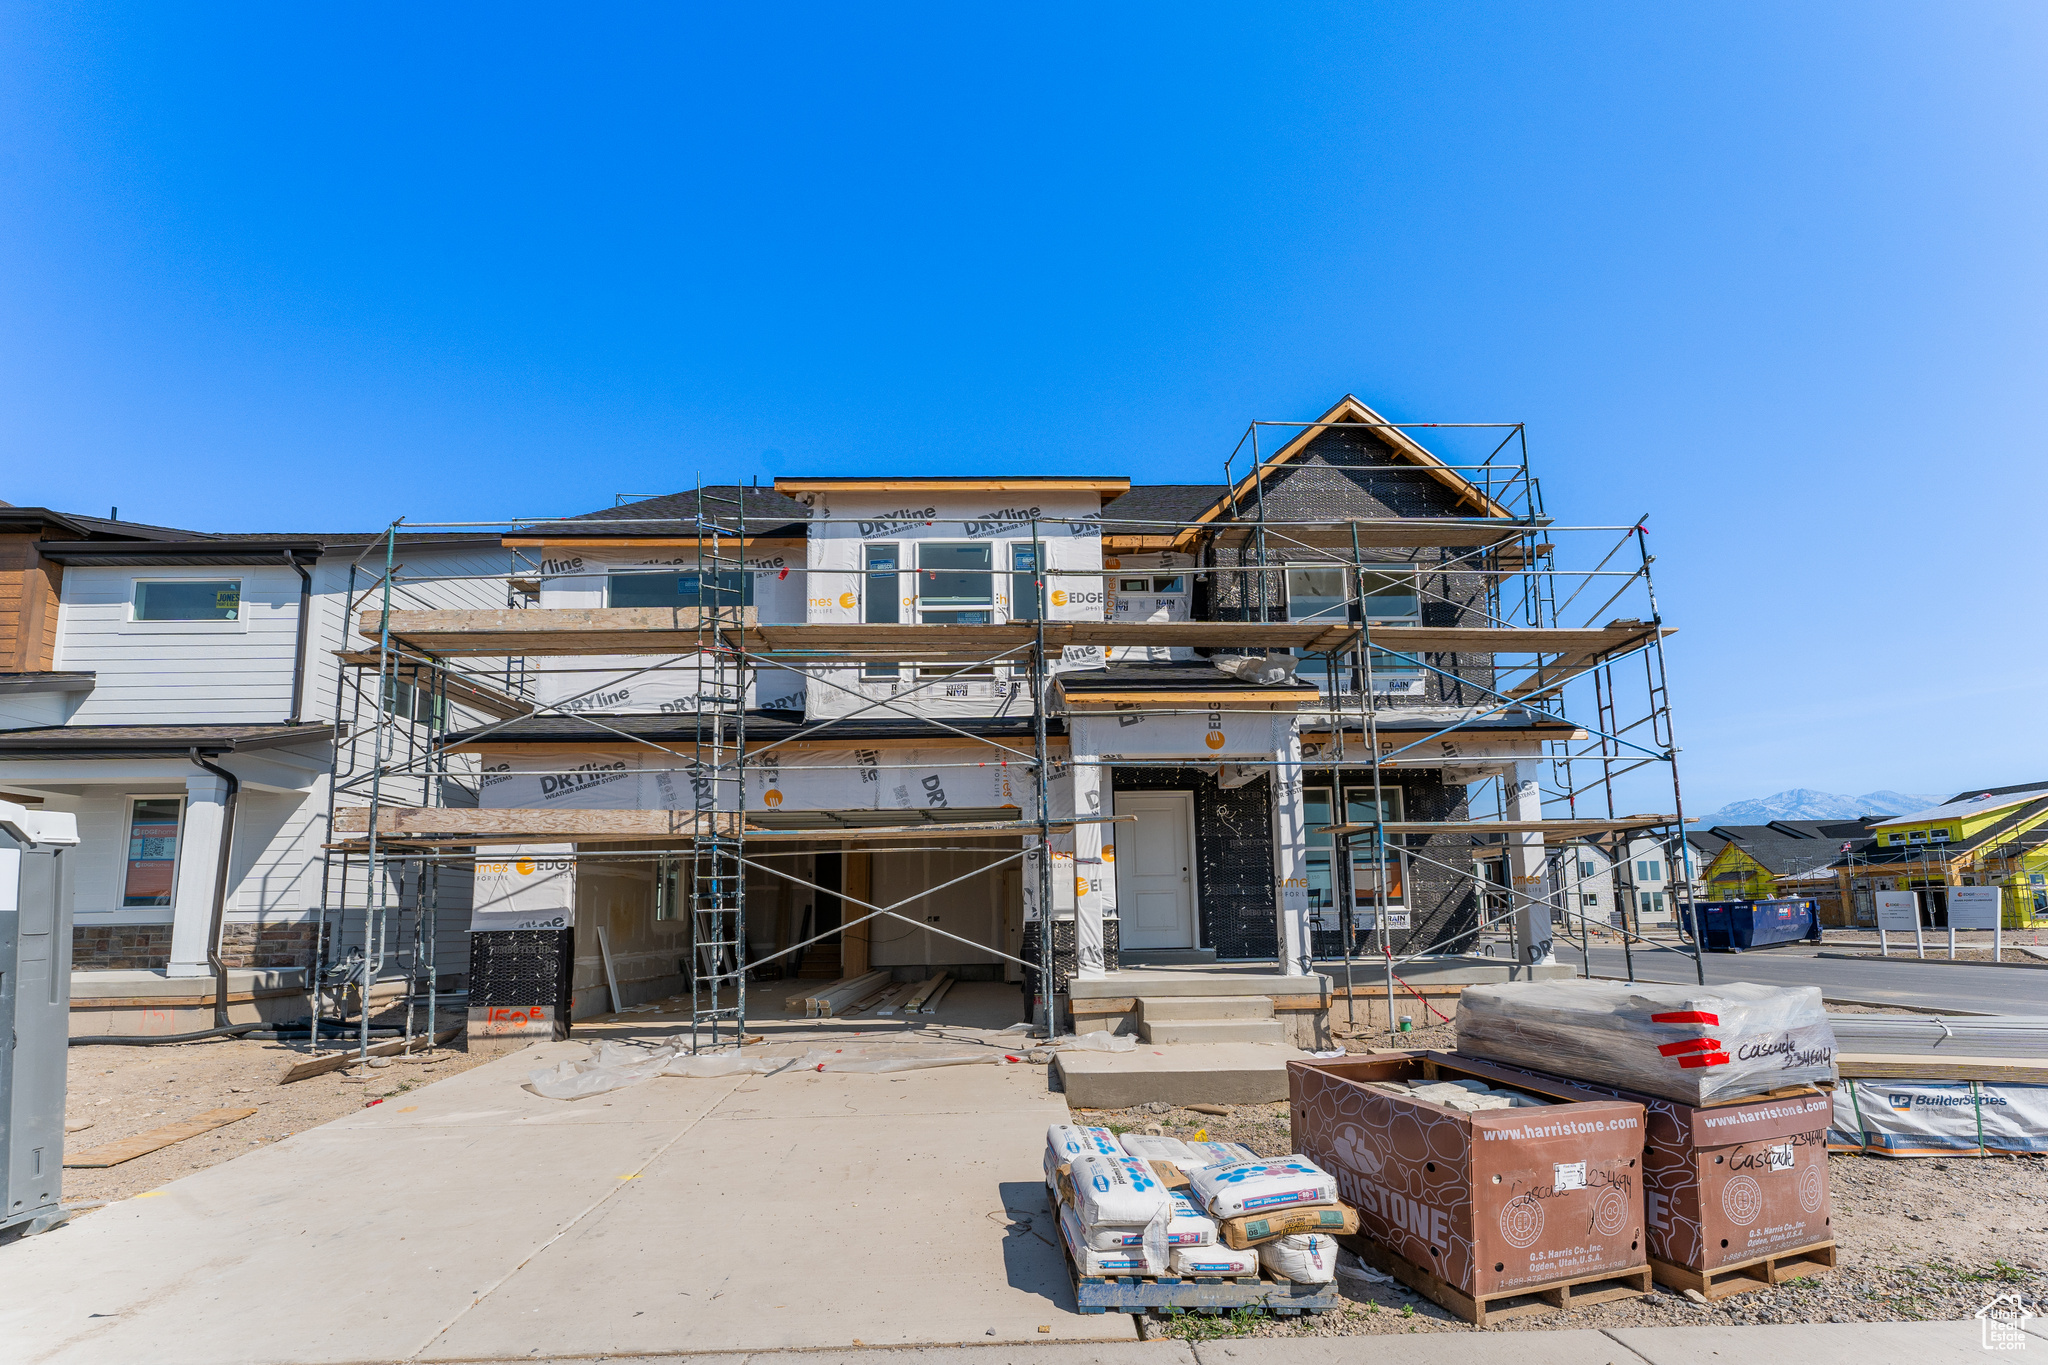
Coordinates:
(473, 1219)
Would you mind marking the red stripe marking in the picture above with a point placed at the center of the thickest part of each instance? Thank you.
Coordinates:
(1686, 1017)
(1690, 1045)
(1711, 1059)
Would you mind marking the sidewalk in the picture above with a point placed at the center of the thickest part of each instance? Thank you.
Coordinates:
(1864, 1343)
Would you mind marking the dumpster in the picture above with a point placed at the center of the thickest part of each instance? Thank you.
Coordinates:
(1490, 1212)
(1737, 926)
(1735, 1194)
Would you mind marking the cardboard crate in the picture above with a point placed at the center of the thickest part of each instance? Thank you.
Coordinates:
(1743, 1184)
(1490, 1205)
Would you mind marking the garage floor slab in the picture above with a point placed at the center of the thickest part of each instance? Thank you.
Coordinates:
(472, 1219)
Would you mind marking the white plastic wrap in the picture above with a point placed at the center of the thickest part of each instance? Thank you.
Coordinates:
(1152, 1147)
(1217, 1154)
(1261, 1185)
(1693, 1044)
(1122, 1261)
(1213, 1260)
(1305, 1258)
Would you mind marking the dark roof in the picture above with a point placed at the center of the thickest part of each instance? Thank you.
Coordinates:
(45, 681)
(1176, 503)
(1170, 677)
(1783, 855)
(1974, 792)
(152, 741)
(767, 511)
(761, 726)
(211, 550)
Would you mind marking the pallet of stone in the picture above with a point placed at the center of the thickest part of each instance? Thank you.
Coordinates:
(1734, 1183)
(1555, 1296)
(1169, 1295)
(1763, 1272)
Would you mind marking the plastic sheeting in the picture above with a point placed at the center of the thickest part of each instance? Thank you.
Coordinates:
(1694, 1044)
(1939, 1118)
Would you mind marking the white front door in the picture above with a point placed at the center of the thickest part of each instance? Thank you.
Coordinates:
(1155, 885)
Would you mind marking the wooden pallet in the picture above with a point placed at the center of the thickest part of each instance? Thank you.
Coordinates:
(1554, 1297)
(1760, 1272)
(1170, 1295)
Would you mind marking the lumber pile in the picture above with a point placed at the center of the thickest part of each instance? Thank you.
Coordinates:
(838, 997)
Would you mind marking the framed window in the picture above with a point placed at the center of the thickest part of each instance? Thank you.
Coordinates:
(667, 588)
(188, 599)
(1918, 836)
(881, 604)
(1587, 869)
(153, 827)
(1937, 836)
(1170, 584)
(1589, 899)
(1368, 866)
(955, 583)
(1647, 871)
(1025, 597)
(409, 702)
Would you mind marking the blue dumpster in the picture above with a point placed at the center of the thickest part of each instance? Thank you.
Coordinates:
(1737, 926)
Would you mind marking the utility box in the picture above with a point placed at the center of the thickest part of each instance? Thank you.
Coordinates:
(1738, 926)
(35, 1008)
(1481, 1210)
(1735, 1194)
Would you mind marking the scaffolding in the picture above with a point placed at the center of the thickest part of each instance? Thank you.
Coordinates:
(1483, 585)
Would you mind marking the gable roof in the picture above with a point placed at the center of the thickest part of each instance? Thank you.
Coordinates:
(1349, 409)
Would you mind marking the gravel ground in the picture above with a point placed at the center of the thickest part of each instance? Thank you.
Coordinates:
(1937, 951)
(124, 1091)
(1917, 1239)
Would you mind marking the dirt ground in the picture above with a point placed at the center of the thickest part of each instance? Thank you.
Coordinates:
(125, 1091)
(1937, 951)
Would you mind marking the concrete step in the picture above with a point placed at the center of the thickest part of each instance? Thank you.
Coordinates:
(1166, 957)
(1210, 1073)
(1213, 1031)
(1170, 1007)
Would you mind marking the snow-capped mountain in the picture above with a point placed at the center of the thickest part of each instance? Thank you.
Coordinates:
(1804, 803)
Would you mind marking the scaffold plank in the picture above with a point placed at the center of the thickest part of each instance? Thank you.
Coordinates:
(555, 630)
(511, 825)
(1611, 825)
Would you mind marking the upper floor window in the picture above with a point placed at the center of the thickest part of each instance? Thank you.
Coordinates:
(152, 851)
(1649, 872)
(1587, 869)
(881, 605)
(1025, 598)
(667, 588)
(409, 702)
(1938, 836)
(1152, 584)
(188, 599)
(955, 583)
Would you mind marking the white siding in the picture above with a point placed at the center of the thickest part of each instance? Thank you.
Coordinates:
(180, 672)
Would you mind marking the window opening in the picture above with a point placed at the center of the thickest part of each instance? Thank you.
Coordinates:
(189, 600)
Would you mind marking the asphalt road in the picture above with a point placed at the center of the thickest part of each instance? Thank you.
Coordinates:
(1930, 985)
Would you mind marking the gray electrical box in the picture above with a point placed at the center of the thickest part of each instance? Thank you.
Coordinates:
(35, 1009)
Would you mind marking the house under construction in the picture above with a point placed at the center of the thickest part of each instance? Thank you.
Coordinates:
(1295, 735)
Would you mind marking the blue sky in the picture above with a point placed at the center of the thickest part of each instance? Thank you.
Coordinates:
(1770, 275)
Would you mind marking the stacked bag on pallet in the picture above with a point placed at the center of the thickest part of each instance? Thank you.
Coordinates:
(1064, 1142)
(1285, 1209)
(1697, 1045)
(1115, 1214)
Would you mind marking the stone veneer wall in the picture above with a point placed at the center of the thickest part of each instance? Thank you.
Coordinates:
(111, 946)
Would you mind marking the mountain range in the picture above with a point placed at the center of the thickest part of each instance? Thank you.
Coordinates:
(1804, 803)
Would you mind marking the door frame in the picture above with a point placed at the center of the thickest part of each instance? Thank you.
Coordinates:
(1186, 801)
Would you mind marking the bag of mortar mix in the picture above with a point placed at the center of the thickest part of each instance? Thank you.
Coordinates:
(1215, 1154)
(1116, 1189)
(1187, 1227)
(1122, 1261)
(1065, 1141)
(1329, 1219)
(1152, 1147)
(1212, 1261)
(1261, 1186)
(1693, 1044)
(1305, 1258)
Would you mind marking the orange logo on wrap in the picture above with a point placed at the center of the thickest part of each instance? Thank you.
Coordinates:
(846, 600)
(1214, 739)
(524, 867)
(1059, 597)
(1109, 853)
(1080, 886)
(773, 798)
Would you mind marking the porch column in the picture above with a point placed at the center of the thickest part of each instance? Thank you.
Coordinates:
(1525, 864)
(1089, 961)
(1290, 855)
(198, 862)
